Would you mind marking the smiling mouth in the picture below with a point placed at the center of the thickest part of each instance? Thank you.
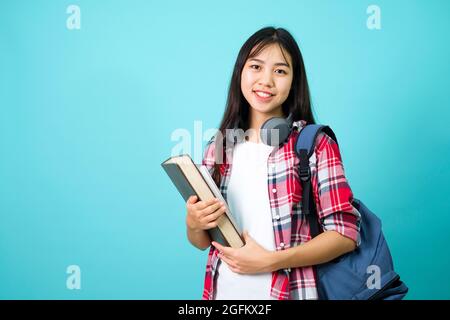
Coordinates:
(263, 94)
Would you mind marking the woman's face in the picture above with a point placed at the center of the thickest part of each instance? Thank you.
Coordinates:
(267, 72)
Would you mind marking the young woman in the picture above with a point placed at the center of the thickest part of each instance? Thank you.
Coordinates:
(261, 185)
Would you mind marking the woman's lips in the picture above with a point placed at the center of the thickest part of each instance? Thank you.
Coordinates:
(262, 99)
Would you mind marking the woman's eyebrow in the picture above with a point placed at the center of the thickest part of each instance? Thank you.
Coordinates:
(275, 64)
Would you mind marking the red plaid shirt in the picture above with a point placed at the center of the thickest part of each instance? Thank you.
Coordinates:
(332, 195)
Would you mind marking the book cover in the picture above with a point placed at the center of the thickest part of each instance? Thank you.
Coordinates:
(190, 179)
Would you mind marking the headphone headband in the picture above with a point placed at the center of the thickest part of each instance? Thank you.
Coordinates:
(273, 132)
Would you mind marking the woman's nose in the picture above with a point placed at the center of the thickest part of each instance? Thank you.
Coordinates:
(266, 79)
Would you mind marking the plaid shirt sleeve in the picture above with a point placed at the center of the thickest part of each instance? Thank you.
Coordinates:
(209, 155)
(332, 192)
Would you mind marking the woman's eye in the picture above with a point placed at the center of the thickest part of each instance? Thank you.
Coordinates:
(256, 67)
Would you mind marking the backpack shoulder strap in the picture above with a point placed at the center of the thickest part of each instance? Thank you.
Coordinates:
(304, 148)
(307, 137)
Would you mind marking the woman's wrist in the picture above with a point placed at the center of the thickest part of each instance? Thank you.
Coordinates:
(274, 261)
(281, 259)
(199, 238)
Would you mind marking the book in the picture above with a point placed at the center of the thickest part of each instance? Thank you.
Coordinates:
(191, 179)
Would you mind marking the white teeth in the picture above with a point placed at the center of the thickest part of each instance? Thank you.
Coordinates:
(262, 94)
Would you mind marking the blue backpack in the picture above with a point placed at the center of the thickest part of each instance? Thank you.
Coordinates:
(367, 273)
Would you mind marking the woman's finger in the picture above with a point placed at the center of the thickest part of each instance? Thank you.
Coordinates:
(228, 261)
(226, 250)
(211, 209)
(211, 225)
(192, 199)
(204, 204)
(216, 214)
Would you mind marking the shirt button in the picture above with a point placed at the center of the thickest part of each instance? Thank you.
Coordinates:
(287, 270)
(277, 217)
(274, 190)
(282, 245)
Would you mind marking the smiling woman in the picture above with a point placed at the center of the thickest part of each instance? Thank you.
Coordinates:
(259, 183)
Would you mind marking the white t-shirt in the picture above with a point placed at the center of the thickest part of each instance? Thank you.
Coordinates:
(248, 199)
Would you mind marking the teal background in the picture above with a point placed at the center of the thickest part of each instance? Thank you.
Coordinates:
(86, 118)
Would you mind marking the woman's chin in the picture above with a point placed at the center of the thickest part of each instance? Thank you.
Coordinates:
(265, 108)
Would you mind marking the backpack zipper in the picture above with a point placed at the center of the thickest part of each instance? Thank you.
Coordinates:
(380, 291)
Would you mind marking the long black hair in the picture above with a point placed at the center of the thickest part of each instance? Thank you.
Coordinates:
(237, 108)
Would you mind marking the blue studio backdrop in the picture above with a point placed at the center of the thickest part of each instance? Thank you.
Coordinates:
(94, 95)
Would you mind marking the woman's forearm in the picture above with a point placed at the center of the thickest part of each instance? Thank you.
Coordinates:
(199, 238)
(323, 248)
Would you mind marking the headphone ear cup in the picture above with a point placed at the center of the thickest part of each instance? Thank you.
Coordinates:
(275, 131)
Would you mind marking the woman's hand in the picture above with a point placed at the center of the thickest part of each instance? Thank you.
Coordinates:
(202, 215)
(251, 258)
